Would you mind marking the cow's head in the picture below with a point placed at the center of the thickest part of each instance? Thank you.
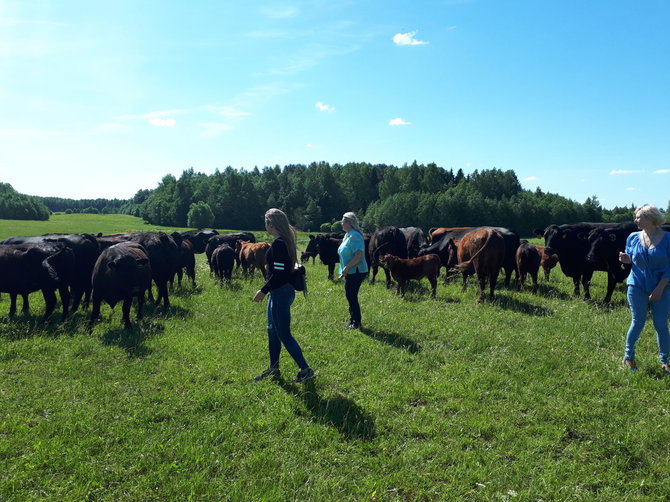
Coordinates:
(452, 253)
(388, 261)
(602, 245)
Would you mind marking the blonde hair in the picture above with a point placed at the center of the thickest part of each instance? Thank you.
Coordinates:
(278, 219)
(652, 213)
(350, 217)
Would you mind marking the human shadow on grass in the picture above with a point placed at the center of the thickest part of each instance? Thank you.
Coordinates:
(350, 419)
(509, 302)
(132, 340)
(393, 339)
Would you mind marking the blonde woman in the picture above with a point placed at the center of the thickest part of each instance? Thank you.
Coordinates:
(648, 251)
(353, 266)
(281, 260)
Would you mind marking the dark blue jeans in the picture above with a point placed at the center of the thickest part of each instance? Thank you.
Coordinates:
(279, 326)
(352, 283)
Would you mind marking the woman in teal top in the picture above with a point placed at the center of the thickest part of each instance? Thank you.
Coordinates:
(649, 253)
(353, 266)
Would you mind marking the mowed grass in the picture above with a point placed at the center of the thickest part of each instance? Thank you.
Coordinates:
(520, 399)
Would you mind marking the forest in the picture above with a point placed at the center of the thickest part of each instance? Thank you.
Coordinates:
(316, 195)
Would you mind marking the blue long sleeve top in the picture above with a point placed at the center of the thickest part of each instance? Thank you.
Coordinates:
(650, 265)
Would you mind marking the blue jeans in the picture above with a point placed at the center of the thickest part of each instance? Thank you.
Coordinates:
(279, 326)
(639, 303)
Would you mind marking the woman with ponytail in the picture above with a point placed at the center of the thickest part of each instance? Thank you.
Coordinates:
(281, 260)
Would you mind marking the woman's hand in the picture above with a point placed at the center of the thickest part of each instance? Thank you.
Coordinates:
(258, 297)
(624, 258)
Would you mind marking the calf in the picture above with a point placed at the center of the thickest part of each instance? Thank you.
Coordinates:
(186, 261)
(527, 263)
(251, 256)
(405, 269)
(230, 239)
(223, 261)
(25, 268)
(547, 261)
(481, 252)
(122, 271)
(387, 240)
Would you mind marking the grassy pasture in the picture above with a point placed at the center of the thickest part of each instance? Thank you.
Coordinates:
(520, 399)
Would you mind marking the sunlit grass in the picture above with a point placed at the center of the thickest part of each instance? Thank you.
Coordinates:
(520, 399)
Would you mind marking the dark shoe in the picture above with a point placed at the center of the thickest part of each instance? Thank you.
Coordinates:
(305, 375)
(666, 368)
(273, 373)
(630, 364)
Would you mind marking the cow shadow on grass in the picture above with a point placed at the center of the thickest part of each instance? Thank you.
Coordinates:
(151, 309)
(185, 291)
(350, 419)
(393, 339)
(550, 291)
(509, 302)
(132, 340)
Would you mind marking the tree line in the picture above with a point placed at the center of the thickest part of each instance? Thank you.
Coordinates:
(17, 206)
(316, 195)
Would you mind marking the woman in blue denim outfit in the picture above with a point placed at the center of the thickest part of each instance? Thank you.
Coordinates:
(281, 260)
(649, 253)
(353, 266)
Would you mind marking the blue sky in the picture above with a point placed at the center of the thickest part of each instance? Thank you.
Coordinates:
(101, 99)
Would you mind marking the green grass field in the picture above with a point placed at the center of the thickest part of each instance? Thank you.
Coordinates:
(524, 398)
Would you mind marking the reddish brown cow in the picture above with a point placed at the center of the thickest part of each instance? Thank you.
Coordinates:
(436, 233)
(251, 256)
(547, 261)
(405, 269)
(481, 252)
(527, 263)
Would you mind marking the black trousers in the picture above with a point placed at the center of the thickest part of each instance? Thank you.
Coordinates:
(352, 283)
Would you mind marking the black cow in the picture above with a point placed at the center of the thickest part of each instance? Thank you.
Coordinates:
(122, 271)
(230, 239)
(198, 238)
(86, 251)
(186, 258)
(565, 241)
(527, 263)
(45, 266)
(325, 247)
(223, 261)
(387, 240)
(415, 240)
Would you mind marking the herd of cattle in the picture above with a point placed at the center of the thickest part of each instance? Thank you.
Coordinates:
(116, 268)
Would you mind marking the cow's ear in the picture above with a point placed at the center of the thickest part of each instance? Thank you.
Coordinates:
(539, 232)
(112, 265)
(613, 237)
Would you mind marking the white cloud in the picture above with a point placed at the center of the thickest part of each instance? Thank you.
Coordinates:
(615, 172)
(398, 122)
(662, 171)
(407, 39)
(530, 178)
(280, 11)
(159, 122)
(226, 111)
(211, 129)
(632, 189)
(324, 107)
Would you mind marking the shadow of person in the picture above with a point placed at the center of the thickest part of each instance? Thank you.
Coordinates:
(350, 419)
(393, 339)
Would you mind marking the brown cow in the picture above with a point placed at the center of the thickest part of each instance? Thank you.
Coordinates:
(527, 263)
(436, 233)
(481, 252)
(251, 256)
(405, 269)
(547, 261)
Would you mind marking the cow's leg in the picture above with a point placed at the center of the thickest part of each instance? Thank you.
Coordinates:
(180, 274)
(374, 273)
(575, 281)
(481, 280)
(433, 284)
(465, 282)
(400, 289)
(533, 276)
(586, 284)
(77, 294)
(95, 310)
(163, 293)
(127, 302)
(12, 304)
(508, 276)
(140, 304)
(331, 271)
(546, 274)
(49, 302)
(389, 282)
(65, 300)
(263, 271)
(493, 279)
(26, 303)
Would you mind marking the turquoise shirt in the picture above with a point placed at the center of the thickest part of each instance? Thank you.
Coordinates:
(352, 242)
(649, 265)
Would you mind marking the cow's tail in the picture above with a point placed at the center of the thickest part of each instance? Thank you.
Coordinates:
(461, 267)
